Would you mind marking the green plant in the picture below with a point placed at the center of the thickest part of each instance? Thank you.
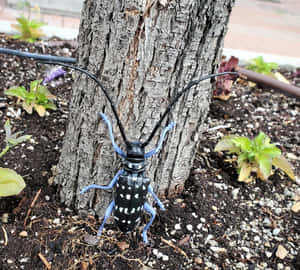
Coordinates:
(260, 66)
(28, 29)
(38, 98)
(11, 183)
(257, 155)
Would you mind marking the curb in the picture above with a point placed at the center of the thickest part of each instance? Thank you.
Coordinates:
(245, 56)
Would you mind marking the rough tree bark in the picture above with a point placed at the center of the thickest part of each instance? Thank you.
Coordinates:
(144, 52)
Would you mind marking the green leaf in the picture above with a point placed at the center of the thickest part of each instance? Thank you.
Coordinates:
(7, 128)
(50, 105)
(243, 142)
(260, 66)
(265, 164)
(34, 85)
(11, 183)
(19, 92)
(283, 164)
(15, 141)
(260, 138)
(271, 150)
(226, 144)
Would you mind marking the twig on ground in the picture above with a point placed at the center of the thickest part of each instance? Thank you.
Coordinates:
(5, 236)
(44, 260)
(31, 206)
(178, 249)
(127, 259)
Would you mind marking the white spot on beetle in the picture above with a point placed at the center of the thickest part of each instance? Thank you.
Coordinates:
(129, 221)
(121, 195)
(129, 188)
(123, 221)
(121, 209)
(123, 187)
(128, 196)
(116, 207)
(118, 184)
(136, 196)
(144, 187)
(132, 210)
(116, 218)
(126, 210)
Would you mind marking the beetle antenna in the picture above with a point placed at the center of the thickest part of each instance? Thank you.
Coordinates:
(104, 90)
(189, 86)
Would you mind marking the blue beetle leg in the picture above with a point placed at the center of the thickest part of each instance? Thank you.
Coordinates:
(117, 148)
(160, 204)
(106, 216)
(152, 212)
(162, 136)
(109, 186)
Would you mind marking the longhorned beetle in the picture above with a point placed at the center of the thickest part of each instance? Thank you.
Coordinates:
(130, 183)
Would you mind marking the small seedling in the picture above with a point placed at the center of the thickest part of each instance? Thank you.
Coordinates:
(29, 29)
(11, 183)
(39, 97)
(257, 155)
(260, 66)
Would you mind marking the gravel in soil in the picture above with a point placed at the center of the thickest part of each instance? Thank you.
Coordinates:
(217, 222)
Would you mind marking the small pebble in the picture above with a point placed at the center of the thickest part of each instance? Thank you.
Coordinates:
(165, 258)
(189, 227)
(177, 226)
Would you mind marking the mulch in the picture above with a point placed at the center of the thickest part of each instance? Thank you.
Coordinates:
(216, 223)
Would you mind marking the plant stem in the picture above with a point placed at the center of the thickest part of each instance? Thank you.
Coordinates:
(4, 151)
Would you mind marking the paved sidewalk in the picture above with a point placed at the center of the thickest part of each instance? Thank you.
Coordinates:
(271, 27)
(256, 27)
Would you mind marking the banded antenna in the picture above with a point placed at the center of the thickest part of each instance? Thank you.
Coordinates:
(189, 86)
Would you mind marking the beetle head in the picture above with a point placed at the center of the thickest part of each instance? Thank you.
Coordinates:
(135, 152)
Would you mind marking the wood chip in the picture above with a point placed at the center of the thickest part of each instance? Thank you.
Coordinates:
(45, 262)
(198, 260)
(178, 249)
(23, 233)
(5, 236)
(84, 266)
(296, 207)
(281, 252)
(122, 245)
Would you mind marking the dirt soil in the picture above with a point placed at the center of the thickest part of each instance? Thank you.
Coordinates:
(217, 222)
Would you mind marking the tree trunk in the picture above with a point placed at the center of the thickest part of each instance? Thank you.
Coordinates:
(144, 52)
